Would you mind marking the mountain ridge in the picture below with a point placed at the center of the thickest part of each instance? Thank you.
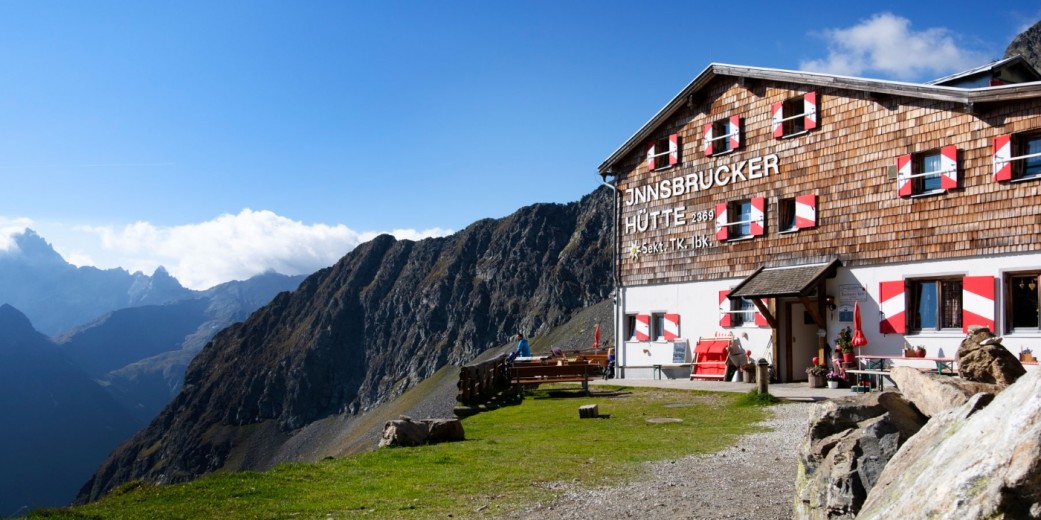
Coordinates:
(356, 334)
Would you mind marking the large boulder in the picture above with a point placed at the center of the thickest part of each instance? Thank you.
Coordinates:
(974, 461)
(849, 442)
(934, 394)
(982, 358)
(408, 432)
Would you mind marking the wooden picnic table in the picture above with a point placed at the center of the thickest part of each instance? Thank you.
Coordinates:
(874, 366)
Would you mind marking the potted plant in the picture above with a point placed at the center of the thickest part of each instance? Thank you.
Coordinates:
(844, 344)
(1026, 355)
(909, 351)
(834, 378)
(920, 351)
(816, 374)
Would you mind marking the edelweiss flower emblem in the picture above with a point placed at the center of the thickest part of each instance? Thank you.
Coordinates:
(634, 251)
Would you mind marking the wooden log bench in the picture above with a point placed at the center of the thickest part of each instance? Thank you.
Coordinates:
(536, 373)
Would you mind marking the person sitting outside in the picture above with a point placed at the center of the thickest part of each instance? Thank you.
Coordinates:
(523, 350)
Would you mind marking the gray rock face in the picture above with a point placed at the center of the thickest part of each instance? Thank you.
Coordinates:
(1028, 45)
(969, 462)
(849, 443)
(357, 334)
(981, 358)
(934, 394)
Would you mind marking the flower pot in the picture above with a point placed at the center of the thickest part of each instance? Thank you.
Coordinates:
(816, 381)
(833, 384)
(848, 357)
(921, 353)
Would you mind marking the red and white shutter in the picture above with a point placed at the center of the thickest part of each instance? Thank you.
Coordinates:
(643, 327)
(735, 132)
(776, 115)
(977, 302)
(760, 320)
(672, 327)
(650, 155)
(806, 211)
(757, 226)
(674, 149)
(809, 110)
(722, 230)
(893, 306)
(949, 167)
(904, 186)
(1002, 154)
(725, 319)
(708, 138)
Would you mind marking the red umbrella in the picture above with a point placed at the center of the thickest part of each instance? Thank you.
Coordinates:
(596, 337)
(858, 335)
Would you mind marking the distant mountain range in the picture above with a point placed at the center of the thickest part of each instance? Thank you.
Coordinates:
(57, 296)
(75, 397)
(356, 335)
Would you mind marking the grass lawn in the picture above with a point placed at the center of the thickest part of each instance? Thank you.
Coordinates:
(510, 458)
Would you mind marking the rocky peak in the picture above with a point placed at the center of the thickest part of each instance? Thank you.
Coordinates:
(1028, 45)
(359, 333)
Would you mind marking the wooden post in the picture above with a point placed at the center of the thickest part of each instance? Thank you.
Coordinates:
(588, 411)
(762, 376)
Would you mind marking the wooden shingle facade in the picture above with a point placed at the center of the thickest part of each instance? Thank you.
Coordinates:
(753, 168)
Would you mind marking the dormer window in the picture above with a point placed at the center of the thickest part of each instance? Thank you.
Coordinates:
(663, 153)
(722, 136)
(794, 116)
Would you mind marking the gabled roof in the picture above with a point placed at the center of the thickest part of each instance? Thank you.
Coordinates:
(789, 281)
(968, 97)
(1017, 62)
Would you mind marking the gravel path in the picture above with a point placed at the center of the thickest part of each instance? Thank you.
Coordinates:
(755, 480)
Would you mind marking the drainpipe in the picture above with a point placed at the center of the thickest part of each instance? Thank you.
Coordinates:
(619, 294)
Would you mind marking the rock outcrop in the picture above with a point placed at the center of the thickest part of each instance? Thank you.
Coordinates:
(981, 358)
(359, 333)
(849, 442)
(934, 394)
(969, 462)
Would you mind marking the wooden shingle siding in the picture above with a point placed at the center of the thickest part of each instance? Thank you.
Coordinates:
(845, 161)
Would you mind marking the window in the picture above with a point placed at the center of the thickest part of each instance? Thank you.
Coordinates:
(935, 304)
(657, 326)
(722, 136)
(1017, 157)
(794, 116)
(797, 213)
(927, 173)
(745, 314)
(740, 219)
(664, 152)
(630, 327)
(1022, 291)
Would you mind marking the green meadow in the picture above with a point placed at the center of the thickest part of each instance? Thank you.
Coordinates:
(512, 456)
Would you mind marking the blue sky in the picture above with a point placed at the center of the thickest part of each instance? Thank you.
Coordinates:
(220, 139)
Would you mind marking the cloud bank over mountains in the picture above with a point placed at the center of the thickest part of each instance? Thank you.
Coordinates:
(886, 45)
(201, 255)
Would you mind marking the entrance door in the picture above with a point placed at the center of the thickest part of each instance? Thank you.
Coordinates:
(800, 342)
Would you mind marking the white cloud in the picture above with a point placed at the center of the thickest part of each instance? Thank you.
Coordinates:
(10, 227)
(232, 247)
(886, 45)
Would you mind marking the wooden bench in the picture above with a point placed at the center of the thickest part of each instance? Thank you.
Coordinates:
(534, 374)
(657, 367)
(880, 374)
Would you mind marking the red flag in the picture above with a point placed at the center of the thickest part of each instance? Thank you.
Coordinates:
(596, 337)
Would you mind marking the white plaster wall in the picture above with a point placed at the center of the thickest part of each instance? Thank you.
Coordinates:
(698, 307)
